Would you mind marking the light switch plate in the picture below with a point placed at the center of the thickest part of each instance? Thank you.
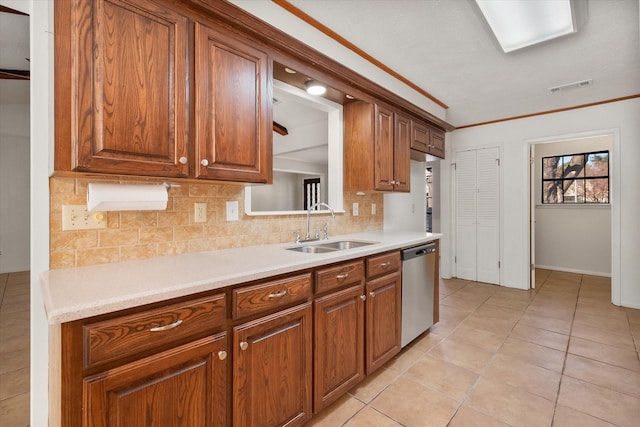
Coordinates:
(356, 209)
(76, 217)
(232, 210)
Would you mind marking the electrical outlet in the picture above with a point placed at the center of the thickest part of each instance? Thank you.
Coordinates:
(356, 209)
(77, 217)
(232, 210)
(374, 209)
(199, 212)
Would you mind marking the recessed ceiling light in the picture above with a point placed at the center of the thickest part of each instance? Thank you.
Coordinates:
(314, 87)
(518, 24)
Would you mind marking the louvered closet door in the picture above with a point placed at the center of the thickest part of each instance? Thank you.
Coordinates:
(466, 242)
(477, 219)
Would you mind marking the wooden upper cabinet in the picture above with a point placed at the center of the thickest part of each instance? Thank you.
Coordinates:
(233, 109)
(427, 139)
(376, 148)
(121, 86)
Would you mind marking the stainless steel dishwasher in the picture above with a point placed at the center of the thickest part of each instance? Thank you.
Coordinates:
(418, 269)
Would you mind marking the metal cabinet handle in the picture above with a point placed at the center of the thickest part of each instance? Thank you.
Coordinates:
(342, 276)
(183, 160)
(363, 297)
(167, 327)
(244, 345)
(372, 294)
(222, 355)
(204, 162)
(385, 264)
(278, 294)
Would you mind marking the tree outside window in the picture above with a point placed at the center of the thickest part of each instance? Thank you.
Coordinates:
(576, 178)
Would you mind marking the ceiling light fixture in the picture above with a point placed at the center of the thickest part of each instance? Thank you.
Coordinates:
(314, 87)
(518, 24)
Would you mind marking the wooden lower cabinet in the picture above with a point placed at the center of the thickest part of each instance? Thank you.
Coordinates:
(383, 320)
(272, 369)
(182, 387)
(338, 344)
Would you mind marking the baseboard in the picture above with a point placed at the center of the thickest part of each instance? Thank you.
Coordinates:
(574, 270)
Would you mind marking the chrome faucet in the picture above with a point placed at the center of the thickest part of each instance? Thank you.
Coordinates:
(317, 236)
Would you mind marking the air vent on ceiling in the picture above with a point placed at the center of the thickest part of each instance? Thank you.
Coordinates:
(571, 86)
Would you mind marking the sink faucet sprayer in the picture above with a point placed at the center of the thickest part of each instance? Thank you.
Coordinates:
(325, 228)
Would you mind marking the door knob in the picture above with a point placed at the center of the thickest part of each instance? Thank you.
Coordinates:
(204, 162)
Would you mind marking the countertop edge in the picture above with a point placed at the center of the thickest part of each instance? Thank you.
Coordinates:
(68, 296)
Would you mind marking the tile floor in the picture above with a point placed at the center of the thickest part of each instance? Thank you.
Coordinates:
(14, 349)
(558, 355)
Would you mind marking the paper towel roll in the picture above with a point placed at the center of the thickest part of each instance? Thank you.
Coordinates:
(126, 197)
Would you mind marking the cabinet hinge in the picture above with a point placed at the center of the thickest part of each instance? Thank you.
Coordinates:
(498, 160)
(498, 264)
(455, 259)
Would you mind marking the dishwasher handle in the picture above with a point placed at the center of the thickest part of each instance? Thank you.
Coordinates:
(418, 251)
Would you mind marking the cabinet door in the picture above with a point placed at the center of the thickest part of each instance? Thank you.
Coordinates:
(383, 149)
(233, 113)
(128, 98)
(437, 143)
(383, 319)
(272, 370)
(338, 344)
(401, 153)
(182, 387)
(420, 136)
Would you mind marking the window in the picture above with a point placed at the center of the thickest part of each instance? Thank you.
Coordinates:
(576, 178)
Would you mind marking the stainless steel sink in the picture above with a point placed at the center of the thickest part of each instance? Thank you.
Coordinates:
(324, 247)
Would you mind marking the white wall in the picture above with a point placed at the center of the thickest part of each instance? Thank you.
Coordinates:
(569, 237)
(621, 119)
(408, 211)
(14, 185)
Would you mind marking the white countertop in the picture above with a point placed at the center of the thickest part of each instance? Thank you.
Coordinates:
(77, 293)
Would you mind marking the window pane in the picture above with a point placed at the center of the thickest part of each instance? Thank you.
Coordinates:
(598, 164)
(574, 192)
(552, 167)
(552, 191)
(597, 190)
(574, 168)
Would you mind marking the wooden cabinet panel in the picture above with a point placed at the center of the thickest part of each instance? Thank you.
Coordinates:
(383, 320)
(127, 103)
(126, 335)
(401, 153)
(383, 264)
(338, 276)
(233, 114)
(437, 143)
(420, 136)
(272, 370)
(270, 295)
(182, 387)
(338, 344)
(376, 148)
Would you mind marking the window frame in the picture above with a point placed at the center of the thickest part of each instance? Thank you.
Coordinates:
(572, 179)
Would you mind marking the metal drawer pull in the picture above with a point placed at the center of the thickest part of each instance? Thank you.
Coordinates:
(385, 264)
(372, 294)
(278, 294)
(222, 355)
(363, 297)
(342, 276)
(166, 327)
(244, 345)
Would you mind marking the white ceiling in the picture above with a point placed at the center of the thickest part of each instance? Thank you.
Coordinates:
(14, 48)
(446, 48)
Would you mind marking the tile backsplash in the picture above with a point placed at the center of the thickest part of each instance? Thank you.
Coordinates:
(145, 234)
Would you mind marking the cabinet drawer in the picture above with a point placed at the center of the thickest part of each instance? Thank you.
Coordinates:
(383, 264)
(123, 336)
(340, 275)
(266, 296)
